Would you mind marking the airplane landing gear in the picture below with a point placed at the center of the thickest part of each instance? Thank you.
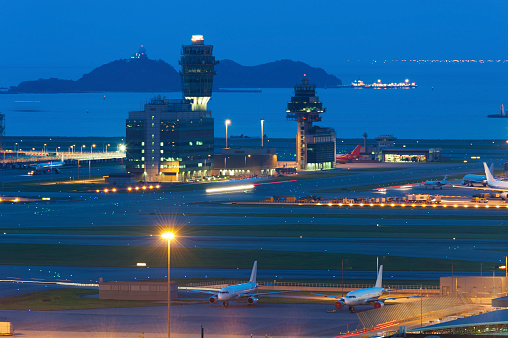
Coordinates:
(352, 309)
(225, 304)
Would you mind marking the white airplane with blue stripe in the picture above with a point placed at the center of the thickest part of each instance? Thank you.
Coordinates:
(235, 292)
(364, 296)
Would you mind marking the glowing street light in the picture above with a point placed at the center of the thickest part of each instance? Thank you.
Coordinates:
(83, 146)
(227, 123)
(91, 148)
(262, 122)
(169, 236)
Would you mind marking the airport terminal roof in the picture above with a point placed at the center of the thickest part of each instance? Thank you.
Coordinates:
(498, 317)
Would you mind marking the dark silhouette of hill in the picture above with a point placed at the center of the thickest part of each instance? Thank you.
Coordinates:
(126, 75)
(277, 74)
(146, 75)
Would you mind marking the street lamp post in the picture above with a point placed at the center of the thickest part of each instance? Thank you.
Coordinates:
(169, 236)
(262, 122)
(91, 148)
(83, 146)
(227, 123)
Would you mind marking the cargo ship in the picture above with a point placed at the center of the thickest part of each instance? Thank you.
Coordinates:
(501, 113)
(380, 85)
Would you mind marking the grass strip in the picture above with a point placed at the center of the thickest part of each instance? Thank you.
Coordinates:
(66, 299)
(128, 256)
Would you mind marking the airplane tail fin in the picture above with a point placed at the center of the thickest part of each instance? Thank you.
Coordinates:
(356, 151)
(488, 174)
(379, 279)
(445, 178)
(492, 168)
(254, 273)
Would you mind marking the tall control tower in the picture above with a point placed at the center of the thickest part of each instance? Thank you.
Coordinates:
(198, 69)
(315, 146)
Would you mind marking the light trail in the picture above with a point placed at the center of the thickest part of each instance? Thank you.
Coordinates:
(234, 188)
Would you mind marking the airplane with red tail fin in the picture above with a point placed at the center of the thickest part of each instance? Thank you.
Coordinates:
(349, 157)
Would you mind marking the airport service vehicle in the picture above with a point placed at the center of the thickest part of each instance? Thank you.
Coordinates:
(436, 184)
(236, 292)
(351, 156)
(364, 296)
(48, 167)
(471, 179)
(6, 329)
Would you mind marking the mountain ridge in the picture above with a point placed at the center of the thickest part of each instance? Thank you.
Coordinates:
(147, 75)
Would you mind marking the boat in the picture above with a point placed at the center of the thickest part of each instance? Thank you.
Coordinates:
(501, 114)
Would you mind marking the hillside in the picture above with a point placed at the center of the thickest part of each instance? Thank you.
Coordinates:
(146, 75)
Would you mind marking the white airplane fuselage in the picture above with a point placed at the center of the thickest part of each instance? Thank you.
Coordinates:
(49, 165)
(359, 297)
(236, 291)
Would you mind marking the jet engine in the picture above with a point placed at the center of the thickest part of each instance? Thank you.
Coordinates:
(252, 300)
(213, 300)
(378, 305)
(339, 304)
(504, 196)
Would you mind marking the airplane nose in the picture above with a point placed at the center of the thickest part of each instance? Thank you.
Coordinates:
(220, 296)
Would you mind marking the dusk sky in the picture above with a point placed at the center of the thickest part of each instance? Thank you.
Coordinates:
(85, 34)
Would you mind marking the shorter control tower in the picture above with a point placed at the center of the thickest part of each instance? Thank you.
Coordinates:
(315, 146)
(198, 70)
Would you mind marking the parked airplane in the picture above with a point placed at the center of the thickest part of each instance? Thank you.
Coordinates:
(364, 296)
(351, 156)
(48, 167)
(235, 292)
(436, 184)
(471, 179)
(496, 185)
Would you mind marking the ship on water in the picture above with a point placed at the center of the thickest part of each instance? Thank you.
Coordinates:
(501, 113)
(379, 85)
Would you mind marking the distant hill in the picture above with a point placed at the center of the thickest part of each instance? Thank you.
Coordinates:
(127, 75)
(146, 75)
(277, 74)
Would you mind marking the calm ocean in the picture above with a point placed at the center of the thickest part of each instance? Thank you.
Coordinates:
(451, 102)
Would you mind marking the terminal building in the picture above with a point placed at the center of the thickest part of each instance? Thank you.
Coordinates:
(246, 162)
(173, 140)
(315, 146)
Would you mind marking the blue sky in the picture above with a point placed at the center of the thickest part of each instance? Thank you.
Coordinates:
(85, 34)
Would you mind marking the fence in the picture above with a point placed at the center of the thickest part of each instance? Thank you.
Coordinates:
(426, 289)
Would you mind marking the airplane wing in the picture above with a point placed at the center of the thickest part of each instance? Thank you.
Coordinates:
(246, 295)
(480, 188)
(372, 300)
(336, 297)
(207, 291)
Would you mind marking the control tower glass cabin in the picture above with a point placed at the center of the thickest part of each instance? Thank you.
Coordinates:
(198, 70)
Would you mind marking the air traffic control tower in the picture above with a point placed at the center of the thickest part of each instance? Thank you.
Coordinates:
(198, 70)
(315, 146)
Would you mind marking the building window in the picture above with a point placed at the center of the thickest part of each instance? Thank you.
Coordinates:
(199, 143)
(162, 151)
(142, 143)
(153, 136)
(153, 124)
(162, 143)
(190, 143)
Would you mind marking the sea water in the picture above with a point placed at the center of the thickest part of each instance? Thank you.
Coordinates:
(452, 101)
